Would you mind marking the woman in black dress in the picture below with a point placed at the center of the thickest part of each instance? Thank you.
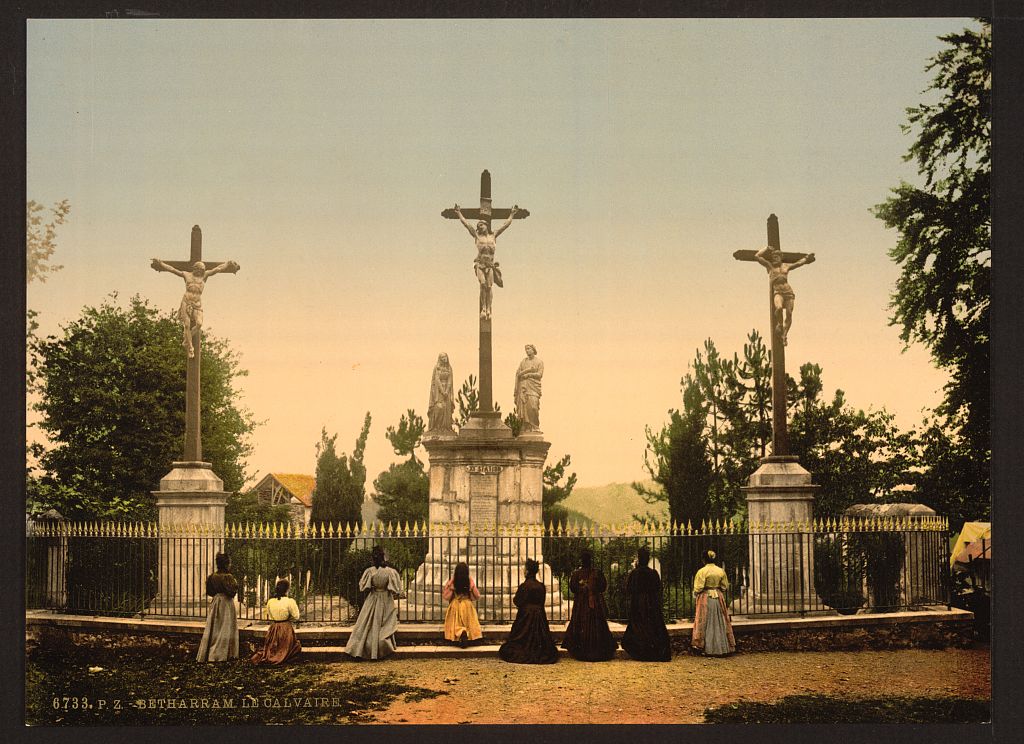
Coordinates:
(646, 637)
(530, 641)
(587, 637)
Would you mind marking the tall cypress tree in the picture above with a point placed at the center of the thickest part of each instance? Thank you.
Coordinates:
(340, 480)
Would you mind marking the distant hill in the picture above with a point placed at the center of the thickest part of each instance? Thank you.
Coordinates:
(614, 503)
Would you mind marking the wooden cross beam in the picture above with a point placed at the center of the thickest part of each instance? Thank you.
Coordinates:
(780, 435)
(193, 441)
(196, 254)
(486, 212)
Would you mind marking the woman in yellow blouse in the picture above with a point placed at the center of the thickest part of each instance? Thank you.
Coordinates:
(712, 628)
(461, 624)
(280, 645)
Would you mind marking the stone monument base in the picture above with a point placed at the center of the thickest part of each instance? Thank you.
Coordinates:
(485, 509)
(496, 565)
(190, 516)
(780, 501)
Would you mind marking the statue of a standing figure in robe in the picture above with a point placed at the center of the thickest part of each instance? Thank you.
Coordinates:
(527, 392)
(442, 398)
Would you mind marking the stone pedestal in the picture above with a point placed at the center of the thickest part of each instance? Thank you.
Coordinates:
(56, 589)
(190, 515)
(485, 509)
(781, 558)
(920, 578)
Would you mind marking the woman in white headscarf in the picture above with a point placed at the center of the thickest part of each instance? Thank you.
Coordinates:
(712, 627)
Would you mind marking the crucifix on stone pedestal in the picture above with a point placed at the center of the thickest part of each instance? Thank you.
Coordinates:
(487, 271)
(190, 313)
(780, 303)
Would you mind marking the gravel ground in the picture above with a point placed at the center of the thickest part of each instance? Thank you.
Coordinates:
(487, 690)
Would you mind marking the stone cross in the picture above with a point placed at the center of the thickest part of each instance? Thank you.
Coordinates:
(780, 436)
(485, 214)
(190, 314)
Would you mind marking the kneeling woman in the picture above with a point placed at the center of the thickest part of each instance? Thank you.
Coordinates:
(461, 624)
(373, 635)
(587, 636)
(280, 645)
(530, 641)
(712, 628)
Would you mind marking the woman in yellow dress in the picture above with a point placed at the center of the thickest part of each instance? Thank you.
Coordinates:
(712, 628)
(280, 645)
(461, 624)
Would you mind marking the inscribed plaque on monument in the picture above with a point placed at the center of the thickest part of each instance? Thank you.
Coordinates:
(483, 498)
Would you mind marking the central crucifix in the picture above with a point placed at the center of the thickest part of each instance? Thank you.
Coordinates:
(487, 272)
(190, 314)
(780, 302)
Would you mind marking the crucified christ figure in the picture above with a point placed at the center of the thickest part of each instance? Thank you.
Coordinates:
(783, 296)
(190, 312)
(486, 268)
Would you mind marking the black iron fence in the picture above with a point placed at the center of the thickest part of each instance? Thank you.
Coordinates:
(846, 566)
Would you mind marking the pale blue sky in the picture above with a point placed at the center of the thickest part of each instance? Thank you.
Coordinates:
(319, 154)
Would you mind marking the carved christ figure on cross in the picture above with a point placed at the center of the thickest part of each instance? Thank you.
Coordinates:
(190, 312)
(783, 296)
(486, 268)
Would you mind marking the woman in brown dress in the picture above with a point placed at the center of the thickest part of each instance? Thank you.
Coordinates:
(530, 641)
(220, 637)
(587, 637)
(280, 644)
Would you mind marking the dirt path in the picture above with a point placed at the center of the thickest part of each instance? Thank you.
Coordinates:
(490, 691)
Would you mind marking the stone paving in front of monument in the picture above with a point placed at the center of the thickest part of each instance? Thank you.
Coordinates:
(489, 691)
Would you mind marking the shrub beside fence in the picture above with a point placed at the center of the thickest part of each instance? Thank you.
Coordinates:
(860, 564)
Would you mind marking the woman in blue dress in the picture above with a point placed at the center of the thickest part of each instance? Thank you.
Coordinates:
(373, 635)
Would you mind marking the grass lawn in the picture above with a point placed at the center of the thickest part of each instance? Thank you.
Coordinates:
(126, 689)
(825, 709)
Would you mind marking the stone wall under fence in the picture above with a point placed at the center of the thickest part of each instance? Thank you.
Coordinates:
(115, 569)
(178, 639)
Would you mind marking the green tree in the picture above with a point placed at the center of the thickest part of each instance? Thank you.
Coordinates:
(245, 508)
(949, 465)
(677, 459)
(557, 488)
(340, 480)
(468, 401)
(40, 244)
(112, 403)
(406, 437)
(855, 457)
(942, 295)
(735, 395)
(403, 490)
(41, 239)
(705, 454)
